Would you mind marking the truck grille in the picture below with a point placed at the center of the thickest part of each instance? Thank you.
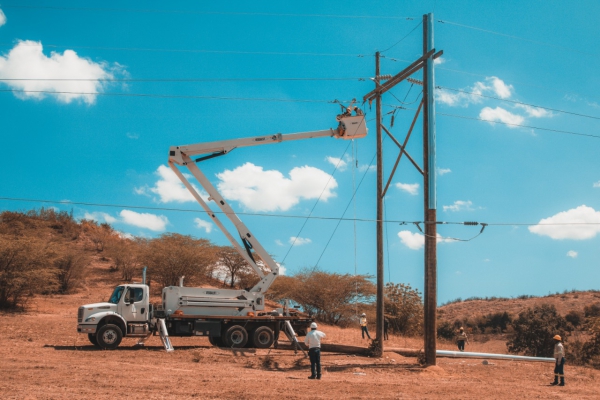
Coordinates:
(80, 314)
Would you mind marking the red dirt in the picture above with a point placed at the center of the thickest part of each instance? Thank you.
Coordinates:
(44, 358)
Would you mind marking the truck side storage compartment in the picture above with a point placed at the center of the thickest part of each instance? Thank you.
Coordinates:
(207, 328)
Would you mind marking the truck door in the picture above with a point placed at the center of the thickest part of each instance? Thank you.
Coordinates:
(134, 305)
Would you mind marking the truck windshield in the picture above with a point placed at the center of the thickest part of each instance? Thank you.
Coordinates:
(116, 296)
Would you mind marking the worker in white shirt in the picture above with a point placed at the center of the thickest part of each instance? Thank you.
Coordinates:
(363, 325)
(313, 341)
(559, 358)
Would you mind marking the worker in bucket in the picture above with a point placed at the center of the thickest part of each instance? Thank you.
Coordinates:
(559, 358)
(363, 326)
(313, 341)
(461, 338)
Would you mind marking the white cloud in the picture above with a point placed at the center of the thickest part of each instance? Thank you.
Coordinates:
(501, 89)
(2, 18)
(100, 217)
(573, 224)
(596, 184)
(459, 205)
(411, 240)
(501, 115)
(337, 162)
(201, 224)
(365, 167)
(260, 190)
(282, 269)
(169, 188)
(144, 220)
(486, 260)
(132, 135)
(298, 241)
(415, 241)
(279, 242)
(572, 254)
(535, 112)
(472, 95)
(439, 61)
(125, 235)
(27, 60)
(411, 188)
(443, 171)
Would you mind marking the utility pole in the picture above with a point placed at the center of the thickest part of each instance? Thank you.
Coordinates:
(424, 62)
(429, 186)
(380, 272)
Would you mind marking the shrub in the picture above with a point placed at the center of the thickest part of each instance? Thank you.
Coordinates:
(534, 329)
(575, 318)
(70, 269)
(404, 308)
(446, 330)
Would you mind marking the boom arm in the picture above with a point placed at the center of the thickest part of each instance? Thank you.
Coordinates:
(350, 127)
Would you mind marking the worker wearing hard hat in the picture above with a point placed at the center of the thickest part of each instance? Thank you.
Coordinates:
(461, 338)
(313, 341)
(363, 325)
(559, 358)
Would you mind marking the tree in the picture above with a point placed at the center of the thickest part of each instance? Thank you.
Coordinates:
(26, 267)
(534, 329)
(126, 256)
(404, 308)
(329, 297)
(172, 255)
(98, 234)
(233, 263)
(70, 268)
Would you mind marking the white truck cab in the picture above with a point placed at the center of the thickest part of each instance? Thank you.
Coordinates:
(126, 313)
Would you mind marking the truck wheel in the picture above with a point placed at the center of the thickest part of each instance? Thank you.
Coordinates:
(236, 336)
(263, 337)
(109, 336)
(92, 338)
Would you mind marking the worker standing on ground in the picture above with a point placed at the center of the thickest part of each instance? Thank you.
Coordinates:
(559, 358)
(386, 325)
(313, 341)
(461, 338)
(363, 326)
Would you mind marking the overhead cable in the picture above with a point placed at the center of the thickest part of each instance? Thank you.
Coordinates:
(517, 37)
(172, 96)
(163, 11)
(520, 126)
(518, 102)
(401, 222)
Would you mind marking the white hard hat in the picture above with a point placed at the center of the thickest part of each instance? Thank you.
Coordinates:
(313, 325)
(363, 315)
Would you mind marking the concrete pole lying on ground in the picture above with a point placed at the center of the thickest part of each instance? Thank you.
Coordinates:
(468, 354)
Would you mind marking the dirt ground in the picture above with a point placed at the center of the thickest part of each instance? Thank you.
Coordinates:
(42, 357)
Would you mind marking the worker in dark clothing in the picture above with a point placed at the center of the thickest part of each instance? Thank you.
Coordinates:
(559, 364)
(461, 338)
(386, 325)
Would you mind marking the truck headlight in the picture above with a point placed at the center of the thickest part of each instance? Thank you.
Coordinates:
(90, 319)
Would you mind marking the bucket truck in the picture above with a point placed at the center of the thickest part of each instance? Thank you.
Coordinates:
(229, 317)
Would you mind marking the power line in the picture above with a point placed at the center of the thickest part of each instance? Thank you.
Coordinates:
(183, 79)
(268, 53)
(518, 102)
(518, 37)
(171, 96)
(163, 11)
(401, 222)
(404, 37)
(521, 126)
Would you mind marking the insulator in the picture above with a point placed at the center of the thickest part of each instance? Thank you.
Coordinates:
(471, 223)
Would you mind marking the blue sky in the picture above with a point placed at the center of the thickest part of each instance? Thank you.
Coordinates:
(110, 86)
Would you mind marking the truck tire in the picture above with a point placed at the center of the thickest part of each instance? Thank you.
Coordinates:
(236, 337)
(92, 338)
(263, 337)
(109, 336)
